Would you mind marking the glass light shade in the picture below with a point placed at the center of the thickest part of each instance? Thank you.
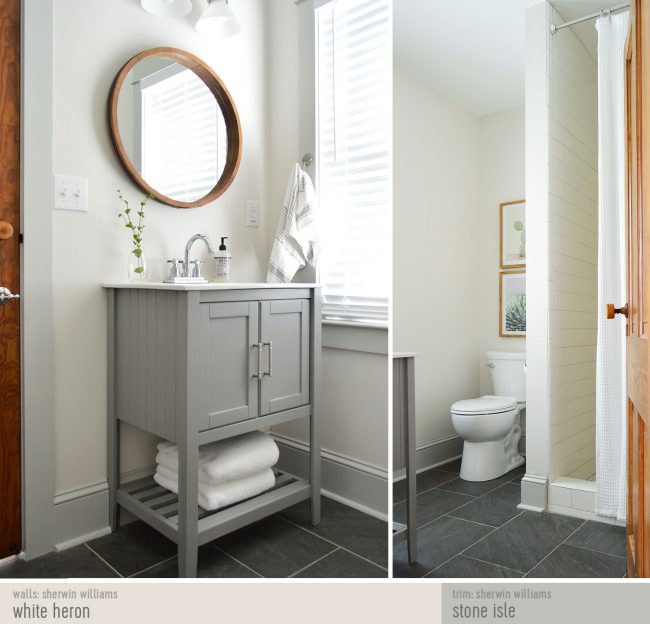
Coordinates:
(167, 8)
(218, 20)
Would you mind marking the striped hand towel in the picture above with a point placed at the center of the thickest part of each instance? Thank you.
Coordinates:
(296, 239)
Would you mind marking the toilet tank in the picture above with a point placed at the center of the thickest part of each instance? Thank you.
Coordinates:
(508, 373)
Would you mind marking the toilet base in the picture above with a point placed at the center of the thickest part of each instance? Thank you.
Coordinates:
(483, 461)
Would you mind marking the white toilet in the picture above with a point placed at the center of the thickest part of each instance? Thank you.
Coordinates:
(490, 425)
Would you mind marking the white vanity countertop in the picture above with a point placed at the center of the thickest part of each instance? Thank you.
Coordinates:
(205, 286)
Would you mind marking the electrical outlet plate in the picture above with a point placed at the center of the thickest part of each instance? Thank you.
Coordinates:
(70, 193)
(252, 213)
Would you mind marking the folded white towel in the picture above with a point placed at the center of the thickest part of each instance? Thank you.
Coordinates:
(229, 459)
(213, 497)
(170, 473)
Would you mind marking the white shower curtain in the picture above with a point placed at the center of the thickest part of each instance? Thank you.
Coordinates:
(611, 452)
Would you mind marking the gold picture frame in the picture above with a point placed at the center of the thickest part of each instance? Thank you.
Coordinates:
(512, 234)
(512, 323)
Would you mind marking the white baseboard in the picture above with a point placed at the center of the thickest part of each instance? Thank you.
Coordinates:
(438, 452)
(533, 493)
(433, 455)
(345, 479)
(81, 514)
(80, 539)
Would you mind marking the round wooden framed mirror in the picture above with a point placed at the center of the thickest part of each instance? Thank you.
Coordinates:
(175, 127)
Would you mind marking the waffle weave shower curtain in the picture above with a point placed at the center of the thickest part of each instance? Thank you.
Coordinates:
(611, 451)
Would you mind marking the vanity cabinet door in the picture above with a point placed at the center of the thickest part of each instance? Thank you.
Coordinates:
(284, 334)
(229, 363)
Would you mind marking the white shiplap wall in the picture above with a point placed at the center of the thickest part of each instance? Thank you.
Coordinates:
(573, 214)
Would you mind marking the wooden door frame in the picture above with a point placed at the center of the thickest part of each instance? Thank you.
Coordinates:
(37, 167)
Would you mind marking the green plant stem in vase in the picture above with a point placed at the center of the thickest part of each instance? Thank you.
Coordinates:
(137, 260)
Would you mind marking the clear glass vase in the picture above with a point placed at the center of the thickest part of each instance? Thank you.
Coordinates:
(137, 265)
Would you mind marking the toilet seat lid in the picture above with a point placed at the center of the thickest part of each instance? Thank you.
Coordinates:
(484, 405)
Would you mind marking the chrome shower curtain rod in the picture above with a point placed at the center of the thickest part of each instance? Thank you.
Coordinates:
(603, 13)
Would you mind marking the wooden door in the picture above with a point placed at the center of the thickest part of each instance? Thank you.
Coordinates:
(284, 334)
(228, 362)
(638, 289)
(10, 425)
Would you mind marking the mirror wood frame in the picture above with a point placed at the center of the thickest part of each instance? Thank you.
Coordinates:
(228, 109)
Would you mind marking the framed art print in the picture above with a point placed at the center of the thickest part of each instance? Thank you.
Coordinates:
(512, 304)
(512, 220)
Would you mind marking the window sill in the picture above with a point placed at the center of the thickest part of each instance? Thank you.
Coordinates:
(350, 336)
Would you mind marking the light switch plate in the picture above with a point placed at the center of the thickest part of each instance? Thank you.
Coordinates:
(252, 213)
(70, 193)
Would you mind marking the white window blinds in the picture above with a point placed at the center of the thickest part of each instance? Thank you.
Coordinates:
(353, 64)
(184, 140)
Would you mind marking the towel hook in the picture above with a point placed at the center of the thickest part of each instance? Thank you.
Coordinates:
(307, 160)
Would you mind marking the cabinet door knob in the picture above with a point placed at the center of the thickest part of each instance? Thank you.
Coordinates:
(612, 311)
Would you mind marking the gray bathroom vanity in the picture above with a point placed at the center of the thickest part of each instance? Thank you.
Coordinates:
(198, 363)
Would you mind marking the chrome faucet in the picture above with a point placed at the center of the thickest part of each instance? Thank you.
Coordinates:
(190, 242)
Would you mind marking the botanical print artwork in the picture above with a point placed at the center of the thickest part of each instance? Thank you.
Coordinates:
(513, 234)
(512, 290)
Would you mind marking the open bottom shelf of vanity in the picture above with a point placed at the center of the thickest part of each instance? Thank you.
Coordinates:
(158, 507)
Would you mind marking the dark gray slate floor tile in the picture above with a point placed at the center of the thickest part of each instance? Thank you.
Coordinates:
(474, 488)
(525, 541)
(399, 491)
(134, 547)
(358, 532)
(77, 562)
(274, 547)
(342, 564)
(432, 505)
(425, 481)
(495, 508)
(571, 562)
(437, 542)
(212, 564)
(452, 466)
(466, 567)
(606, 538)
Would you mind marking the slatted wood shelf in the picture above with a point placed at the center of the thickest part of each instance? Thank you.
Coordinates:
(158, 507)
(400, 532)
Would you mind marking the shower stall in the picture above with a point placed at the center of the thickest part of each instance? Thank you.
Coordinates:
(562, 189)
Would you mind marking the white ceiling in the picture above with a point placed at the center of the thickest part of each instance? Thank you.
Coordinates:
(472, 51)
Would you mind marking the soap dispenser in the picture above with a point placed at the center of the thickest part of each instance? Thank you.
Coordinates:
(222, 262)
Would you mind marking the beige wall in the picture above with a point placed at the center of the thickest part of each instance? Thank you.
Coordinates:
(436, 249)
(259, 68)
(452, 171)
(90, 45)
(355, 383)
(502, 179)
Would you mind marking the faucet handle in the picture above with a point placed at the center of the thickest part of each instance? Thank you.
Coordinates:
(195, 271)
(176, 268)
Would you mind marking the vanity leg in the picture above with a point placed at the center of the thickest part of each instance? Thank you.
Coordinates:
(113, 473)
(314, 431)
(411, 476)
(113, 424)
(188, 511)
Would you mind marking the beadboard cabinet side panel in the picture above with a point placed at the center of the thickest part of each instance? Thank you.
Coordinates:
(146, 360)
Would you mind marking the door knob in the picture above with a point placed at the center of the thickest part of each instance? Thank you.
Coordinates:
(612, 311)
(6, 230)
(6, 295)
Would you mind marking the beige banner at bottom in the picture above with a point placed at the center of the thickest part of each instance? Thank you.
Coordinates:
(185, 603)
